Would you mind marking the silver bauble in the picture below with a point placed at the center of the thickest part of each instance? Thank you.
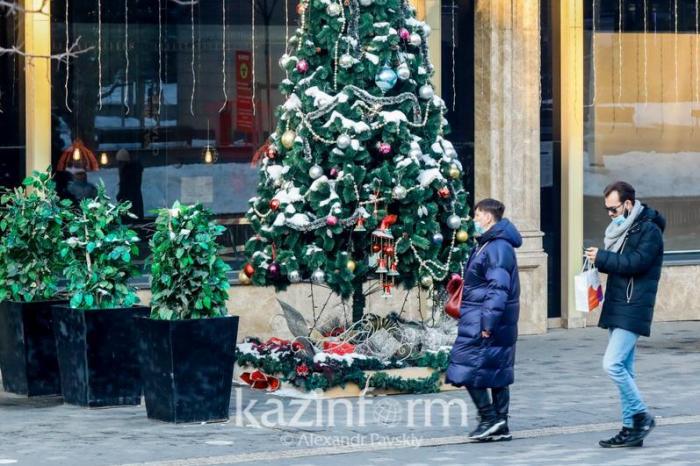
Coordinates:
(343, 141)
(403, 72)
(366, 2)
(315, 172)
(333, 9)
(426, 281)
(454, 221)
(346, 61)
(399, 192)
(415, 39)
(318, 276)
(426, 92)
(294, 276)
(438, 238)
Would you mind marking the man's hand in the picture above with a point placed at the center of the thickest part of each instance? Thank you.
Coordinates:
(591, 254)
(485, 334)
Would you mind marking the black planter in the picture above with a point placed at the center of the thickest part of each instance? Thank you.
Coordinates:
(27, 349)
(187, 367)
(97, 355)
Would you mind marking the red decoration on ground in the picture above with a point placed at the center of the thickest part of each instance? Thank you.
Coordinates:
(261, 381)
(338, 347)
(249, 270)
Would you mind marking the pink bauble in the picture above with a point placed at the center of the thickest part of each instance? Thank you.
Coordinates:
(404, 34)
(385, 148)
(303, 66)
(331, 220)
(334, 172)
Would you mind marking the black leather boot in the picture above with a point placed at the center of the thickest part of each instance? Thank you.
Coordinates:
(501, 403)
(489, 421)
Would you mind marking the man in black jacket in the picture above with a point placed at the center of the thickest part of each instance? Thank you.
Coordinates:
(632, 259)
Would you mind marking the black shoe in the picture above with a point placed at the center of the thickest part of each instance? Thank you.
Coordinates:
(501, 435)
(486, 427)
(621, 440)
(644, 423)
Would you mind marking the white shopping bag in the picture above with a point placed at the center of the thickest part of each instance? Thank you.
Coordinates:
(587, 288)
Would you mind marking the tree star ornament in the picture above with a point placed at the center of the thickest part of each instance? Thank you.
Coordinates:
(288, 138)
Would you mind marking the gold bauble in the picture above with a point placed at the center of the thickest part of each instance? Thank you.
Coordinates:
(288, 139)
(426, 281)
(243, 278)
(462, 236)
(455, 173)
(351, 265)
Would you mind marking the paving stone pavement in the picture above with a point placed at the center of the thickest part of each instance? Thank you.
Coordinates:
(562, 404)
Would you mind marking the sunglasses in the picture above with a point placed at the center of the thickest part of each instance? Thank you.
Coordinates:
(612, 210)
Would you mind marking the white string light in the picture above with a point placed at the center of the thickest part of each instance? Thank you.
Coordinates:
(194, 74)
(594, 92)
(223, 54)
(99, 53)
(454, 46)
(126, 56)
(619, 54)
(252, 22)
(286, 26)
(160, 56)
(646, 55)
(66, 83)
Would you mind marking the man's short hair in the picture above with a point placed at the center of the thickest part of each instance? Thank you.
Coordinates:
(492, 206)
(625, 191)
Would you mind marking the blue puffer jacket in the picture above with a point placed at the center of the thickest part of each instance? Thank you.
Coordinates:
(490, 301)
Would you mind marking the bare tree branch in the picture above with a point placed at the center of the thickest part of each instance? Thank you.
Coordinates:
(73, 51)
(13, 8)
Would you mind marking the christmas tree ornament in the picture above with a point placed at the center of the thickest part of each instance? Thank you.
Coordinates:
(288, 138)
(454, 172)
(360, 226)
(333, 9)
(389, 250)
(243, 279)
(333, 173)
(376, 247)
(426, 92)
(301, 8)
(462, 236)
(273, 271)
(444, 192)
(387, 291)
(248, 269)
(427, 29)
(399, 192)
(343, 141)
(386, 78)
(404, 34)
(302, 66)
(351, 265)
(438, 238)
(315, 172)
(318, 276)
(274, 204)
(454, 221)
(403, 72)
(382, 266)
(394, 271)
(284, 61)
(294, 276)
(319, 50)
(415, 39)
(331, 220)
(366, 2)
(384, 148)
(346, 61)
(426, 281)
(271, 152)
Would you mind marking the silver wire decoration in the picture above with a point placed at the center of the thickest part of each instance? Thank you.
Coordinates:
(194, 74)
(160, 57)
(125, 96)
(223, 59)
(66, 83)
(99, 54)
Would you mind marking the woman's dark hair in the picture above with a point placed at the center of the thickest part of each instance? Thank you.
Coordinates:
(624, 190)
(492, 206)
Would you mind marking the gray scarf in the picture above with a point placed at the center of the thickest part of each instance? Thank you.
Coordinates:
(615, 234)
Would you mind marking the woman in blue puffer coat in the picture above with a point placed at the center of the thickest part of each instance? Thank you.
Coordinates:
(483, 355)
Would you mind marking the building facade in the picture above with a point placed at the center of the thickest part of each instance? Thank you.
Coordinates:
(549, 101)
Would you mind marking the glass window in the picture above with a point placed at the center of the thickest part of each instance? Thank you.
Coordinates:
(12, 147)
(642, 115)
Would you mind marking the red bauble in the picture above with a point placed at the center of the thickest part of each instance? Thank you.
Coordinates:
(376, 247)
(389, 250)
(249, 270)
(275, 204)
(444, 192)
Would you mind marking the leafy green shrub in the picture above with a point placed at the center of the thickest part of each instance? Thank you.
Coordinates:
(98, 254)
(188, 279)
(31, 232)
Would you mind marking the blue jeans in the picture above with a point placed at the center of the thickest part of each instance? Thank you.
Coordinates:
(618, 362)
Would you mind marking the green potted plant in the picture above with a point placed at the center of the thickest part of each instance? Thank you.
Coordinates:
(30, 234)
(95, 335)
(187, 346)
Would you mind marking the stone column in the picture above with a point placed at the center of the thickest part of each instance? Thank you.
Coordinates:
(507, 135)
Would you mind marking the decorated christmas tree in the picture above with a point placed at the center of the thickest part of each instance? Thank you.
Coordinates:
(358, 181)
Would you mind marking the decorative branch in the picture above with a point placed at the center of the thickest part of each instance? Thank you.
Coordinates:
(72, 52)
(15, 8)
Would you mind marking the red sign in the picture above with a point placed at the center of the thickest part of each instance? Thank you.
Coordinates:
(244, 92)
